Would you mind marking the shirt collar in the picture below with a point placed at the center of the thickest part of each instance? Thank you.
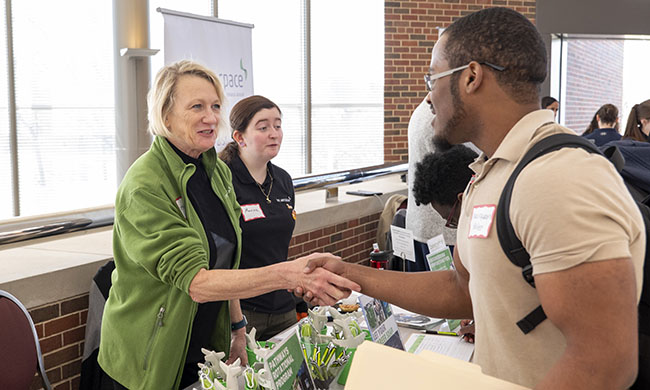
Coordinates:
(519, 136)
(186, 159)
(239, 169)
(515, 140)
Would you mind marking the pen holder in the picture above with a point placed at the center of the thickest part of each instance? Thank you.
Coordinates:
(324, 362)
(343, 376)
(252, 358)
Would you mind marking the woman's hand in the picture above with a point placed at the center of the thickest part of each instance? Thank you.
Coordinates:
(238, 347)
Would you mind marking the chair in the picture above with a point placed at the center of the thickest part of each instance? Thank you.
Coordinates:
(21, 351)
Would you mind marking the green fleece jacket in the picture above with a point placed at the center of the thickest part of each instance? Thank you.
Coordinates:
(159, 245)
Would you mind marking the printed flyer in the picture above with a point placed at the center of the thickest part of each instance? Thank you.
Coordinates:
(381, 321)
(287, 366)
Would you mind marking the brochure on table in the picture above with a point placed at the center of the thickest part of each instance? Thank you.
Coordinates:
(428, 370)
(287, 366)
(381, 321)
(440, 259)
(454, 347)
(412, 320)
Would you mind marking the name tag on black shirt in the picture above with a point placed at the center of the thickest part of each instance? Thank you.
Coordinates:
(252, 211)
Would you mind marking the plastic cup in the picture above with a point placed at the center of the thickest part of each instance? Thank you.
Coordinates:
(321, 374)
(252, 358)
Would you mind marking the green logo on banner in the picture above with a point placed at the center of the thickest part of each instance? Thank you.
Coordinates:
(241, 66)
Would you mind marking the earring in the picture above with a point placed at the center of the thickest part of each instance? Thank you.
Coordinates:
(242, 144)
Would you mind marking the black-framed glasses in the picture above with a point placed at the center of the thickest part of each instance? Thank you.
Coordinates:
(451, 223)
(430, 78)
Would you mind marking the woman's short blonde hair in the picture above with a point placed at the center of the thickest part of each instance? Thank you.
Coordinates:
(160, 98)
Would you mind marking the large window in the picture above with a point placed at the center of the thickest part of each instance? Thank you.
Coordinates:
(6, 176)
(57, 115)
(64, 111)
(64, 97)
(329, 83)
(590, 71)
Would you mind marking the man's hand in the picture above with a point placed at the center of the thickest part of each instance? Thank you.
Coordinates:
(320, 277)
(330, 263)
(467, 330)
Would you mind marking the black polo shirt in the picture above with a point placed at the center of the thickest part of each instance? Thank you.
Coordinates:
(222, 241)
(266, 228)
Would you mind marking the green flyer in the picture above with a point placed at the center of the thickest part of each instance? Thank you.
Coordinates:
(288, 367)
(440, 261)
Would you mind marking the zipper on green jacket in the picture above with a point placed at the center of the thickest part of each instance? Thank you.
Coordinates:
(156, 327)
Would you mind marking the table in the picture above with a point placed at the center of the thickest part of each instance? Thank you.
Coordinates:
(405, 333)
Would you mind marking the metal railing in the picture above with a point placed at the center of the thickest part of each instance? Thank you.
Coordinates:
(22, 230)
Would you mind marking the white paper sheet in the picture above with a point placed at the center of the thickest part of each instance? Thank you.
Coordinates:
(451, 346)
(402, 243)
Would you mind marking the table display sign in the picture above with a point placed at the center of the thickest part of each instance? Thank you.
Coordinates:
(381, 321)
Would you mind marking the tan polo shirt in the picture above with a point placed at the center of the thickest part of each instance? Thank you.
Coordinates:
(568, 207)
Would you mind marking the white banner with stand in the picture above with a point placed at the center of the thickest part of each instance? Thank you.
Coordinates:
(223, 46)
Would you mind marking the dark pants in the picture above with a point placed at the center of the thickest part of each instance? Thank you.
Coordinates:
(108, 383)
(268, 325)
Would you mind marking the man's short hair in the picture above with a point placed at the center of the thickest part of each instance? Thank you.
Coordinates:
(439, 177)
(502, 37)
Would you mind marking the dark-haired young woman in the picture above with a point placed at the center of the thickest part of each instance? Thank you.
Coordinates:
(265, 193)
(604, 126)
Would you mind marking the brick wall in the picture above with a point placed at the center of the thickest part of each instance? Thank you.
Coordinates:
(352, 240)
(61, 325)
(594, 72)
(411, 29)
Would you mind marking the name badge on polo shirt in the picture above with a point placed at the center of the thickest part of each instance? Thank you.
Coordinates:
(482, 218)
(251, 212)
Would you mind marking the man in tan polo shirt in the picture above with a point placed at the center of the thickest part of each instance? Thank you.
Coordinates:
(569, 208)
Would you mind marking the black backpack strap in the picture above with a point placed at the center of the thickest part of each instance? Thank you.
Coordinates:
(614, 155)
(510, 243)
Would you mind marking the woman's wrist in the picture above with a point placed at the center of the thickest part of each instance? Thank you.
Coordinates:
(239, 325)
(241, 332)
(286, 272)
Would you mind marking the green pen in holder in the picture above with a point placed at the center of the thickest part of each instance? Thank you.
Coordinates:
(343, 377)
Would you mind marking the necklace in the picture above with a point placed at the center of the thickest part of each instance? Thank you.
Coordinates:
(266, 194)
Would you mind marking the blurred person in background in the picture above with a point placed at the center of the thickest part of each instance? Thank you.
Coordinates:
(551, 103)
(604, 126)
(638, 122)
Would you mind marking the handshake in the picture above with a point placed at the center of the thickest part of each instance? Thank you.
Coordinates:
(321, 279)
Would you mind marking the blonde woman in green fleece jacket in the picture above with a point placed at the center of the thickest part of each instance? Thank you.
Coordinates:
(177, 245)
